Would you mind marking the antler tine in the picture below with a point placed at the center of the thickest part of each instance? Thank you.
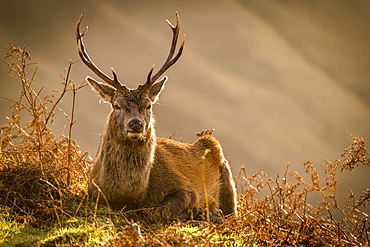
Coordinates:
(170, 59)
(86, 59)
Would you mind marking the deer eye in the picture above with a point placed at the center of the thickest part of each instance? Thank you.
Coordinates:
(116, 107)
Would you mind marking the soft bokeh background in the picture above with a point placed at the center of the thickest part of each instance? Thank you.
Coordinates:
(280, 81)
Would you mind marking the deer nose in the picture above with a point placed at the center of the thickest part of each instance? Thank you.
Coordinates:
(135, 125)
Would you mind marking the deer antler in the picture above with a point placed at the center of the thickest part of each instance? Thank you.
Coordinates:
(86, 59)
(170, 59)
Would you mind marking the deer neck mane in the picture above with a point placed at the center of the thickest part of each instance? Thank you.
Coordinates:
(133, 154)
(127, 163)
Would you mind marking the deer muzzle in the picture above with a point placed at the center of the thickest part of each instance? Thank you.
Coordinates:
(135, 128)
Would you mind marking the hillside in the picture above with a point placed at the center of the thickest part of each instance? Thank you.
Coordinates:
(281, 82)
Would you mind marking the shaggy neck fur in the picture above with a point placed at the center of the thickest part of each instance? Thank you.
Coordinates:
(127, 163)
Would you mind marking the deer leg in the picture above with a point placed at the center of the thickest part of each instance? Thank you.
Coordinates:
(227, 192)
(92, 190)
(199, 215)
(178, 202)
(190, 214)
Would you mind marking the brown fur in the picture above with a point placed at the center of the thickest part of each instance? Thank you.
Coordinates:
(146, 172)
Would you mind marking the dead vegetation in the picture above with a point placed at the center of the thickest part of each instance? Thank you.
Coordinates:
(286, 217)
(38, 169)
(43, 180)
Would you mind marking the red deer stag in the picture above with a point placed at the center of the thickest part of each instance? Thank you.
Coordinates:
(135, 169)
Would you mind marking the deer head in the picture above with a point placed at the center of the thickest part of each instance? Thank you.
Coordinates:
(131, 108)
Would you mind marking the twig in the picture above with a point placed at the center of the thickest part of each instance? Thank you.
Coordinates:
(60, 97)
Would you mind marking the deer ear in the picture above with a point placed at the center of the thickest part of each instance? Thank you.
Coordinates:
(104, 90)
(156, 89)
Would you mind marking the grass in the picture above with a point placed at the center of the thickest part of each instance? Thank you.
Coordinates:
(73, 233)
(43, 191)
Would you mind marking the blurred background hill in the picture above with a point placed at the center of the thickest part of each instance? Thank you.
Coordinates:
(280, 81)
